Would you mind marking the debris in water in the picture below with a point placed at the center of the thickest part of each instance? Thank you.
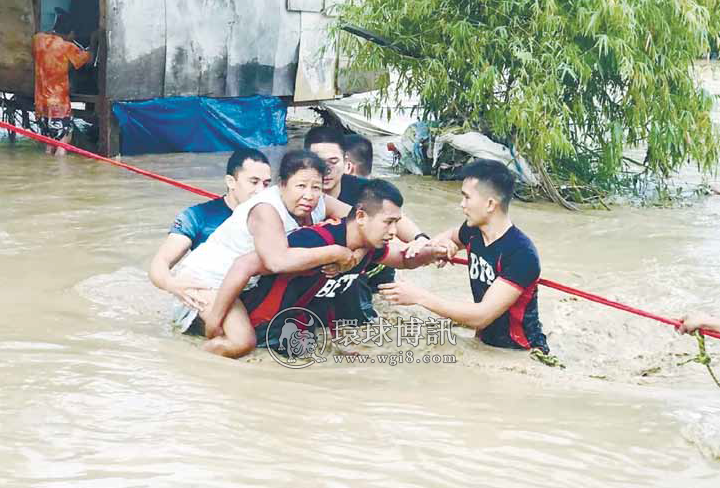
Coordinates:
(702, 357)
(546, 358)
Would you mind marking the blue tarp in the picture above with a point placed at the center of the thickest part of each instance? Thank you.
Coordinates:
(198, 124)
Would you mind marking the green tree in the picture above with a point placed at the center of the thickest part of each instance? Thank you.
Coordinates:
(568, 83)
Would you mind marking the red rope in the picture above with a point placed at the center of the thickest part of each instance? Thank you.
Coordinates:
(200, 191)
(605, 301)
(97, 157)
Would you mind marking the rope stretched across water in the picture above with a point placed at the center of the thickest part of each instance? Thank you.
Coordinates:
(609, 303)
(703, 359)
(97, 157)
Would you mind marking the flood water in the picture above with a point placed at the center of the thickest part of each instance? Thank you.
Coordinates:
(97, 389)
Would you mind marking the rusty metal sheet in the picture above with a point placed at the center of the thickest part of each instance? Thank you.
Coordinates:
(263, 49)
(136, 49)
(17, 27)
(197, 47)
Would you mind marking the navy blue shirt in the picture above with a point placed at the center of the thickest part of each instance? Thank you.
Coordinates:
(311, 289)
(337, 286)
(350, 188)
(513, 259)
(199, 221)
(357, 304)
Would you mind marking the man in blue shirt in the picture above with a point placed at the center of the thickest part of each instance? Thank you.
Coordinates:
(248, 173)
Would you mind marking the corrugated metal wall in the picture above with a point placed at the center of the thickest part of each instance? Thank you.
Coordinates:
(214, 48)
(136, 37)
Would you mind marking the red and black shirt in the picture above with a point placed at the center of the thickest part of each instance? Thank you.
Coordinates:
(311, 288)
(513, 259)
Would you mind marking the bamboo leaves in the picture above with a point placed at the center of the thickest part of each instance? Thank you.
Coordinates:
(570, 82)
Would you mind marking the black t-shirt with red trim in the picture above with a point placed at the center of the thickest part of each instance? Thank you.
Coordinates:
(513, 259)
(356, 303)
(311, 288)
(351, 187)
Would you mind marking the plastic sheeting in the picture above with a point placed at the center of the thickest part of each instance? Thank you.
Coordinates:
(480, 146)
(412, 156)
(197, 124)
(350, 111)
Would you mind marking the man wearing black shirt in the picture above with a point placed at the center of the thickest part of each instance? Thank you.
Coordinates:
(350, 188)
(504, 266)
(359, 157)
(330, 144)
(359, 152)
(371, 225)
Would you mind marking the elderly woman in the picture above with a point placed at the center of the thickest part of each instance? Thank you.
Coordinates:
(261, 224)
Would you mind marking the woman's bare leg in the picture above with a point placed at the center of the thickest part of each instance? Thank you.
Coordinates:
(60, 151)
(239, 338)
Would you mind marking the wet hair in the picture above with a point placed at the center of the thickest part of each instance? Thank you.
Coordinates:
(360, 151)
(295, 161)
(63, 23)
(325, 135)
(242, 154)
(372, 196)
(494, 174)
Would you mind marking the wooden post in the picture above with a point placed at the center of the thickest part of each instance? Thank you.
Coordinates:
(109, 134)
(36, 15)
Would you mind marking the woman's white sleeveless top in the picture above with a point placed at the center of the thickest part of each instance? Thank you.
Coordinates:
(211, 260)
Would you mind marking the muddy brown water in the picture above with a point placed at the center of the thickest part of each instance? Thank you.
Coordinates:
(97, 390)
